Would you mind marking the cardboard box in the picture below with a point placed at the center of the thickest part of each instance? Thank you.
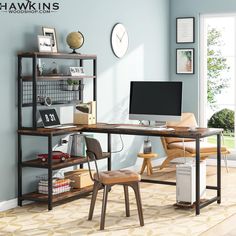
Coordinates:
(81, 178)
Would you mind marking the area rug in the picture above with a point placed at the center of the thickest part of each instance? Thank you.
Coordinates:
(160, 216)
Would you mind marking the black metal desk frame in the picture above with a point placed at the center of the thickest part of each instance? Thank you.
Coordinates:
(197, 136)
(111, 129)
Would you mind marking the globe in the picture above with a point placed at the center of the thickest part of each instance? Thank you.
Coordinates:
(75, 40)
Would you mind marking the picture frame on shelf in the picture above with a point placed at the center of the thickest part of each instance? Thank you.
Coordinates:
(185, 61)
(44, 43)
(185, 30)
(51, 32)
(76, 71)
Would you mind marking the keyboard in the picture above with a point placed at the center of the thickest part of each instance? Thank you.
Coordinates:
(144, 128)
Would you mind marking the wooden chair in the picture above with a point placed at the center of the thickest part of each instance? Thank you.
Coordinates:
(178, 147)
(106, 179)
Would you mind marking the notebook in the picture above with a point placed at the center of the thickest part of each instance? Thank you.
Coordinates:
(50, 119)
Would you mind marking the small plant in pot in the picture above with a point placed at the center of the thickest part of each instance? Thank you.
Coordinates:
(75, 85)
(69, 84)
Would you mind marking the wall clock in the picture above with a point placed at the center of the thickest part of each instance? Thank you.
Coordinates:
(119, 40)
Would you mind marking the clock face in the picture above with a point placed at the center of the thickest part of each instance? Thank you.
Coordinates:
(119, 40)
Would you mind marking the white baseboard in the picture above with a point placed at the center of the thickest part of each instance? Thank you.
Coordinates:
(6, 205)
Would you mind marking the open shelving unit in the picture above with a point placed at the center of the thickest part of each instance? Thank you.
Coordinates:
(30, 86)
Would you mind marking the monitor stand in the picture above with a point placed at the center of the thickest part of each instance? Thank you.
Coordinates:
(160, 124)
(157, 124)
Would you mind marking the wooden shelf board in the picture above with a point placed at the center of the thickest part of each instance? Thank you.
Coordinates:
(57, 55)
(54, 102)
(57, 164)
(57, 77)
(34, 196)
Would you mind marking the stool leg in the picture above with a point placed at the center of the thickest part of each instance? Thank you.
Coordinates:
(143, 166)
(149, 166)
(96, 187)
(104, 206)
(127, 210)
(135, 187)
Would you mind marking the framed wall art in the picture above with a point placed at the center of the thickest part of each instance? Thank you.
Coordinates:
(185, 30)
(51, 32)
(185, 61)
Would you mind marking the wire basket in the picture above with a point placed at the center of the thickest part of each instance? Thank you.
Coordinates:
(59, 185)
(56, 90)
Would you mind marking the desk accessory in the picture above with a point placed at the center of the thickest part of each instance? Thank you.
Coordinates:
(75, 40)
(85, 113)
(147, 146)
(76, 145)
(56, 155)
(76, 70)
(47, 101)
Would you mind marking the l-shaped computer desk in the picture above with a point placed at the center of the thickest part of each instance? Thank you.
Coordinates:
(109, 129)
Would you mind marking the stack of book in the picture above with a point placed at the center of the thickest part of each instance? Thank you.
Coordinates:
(58, 186)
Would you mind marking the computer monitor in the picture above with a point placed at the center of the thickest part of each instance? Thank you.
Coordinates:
(155, 100)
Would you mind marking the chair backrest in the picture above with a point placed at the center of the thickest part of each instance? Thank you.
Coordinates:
(94, 152)
(187, 120)
(93, 146)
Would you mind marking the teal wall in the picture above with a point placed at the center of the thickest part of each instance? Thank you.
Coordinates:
(147, 58)
(182, 8)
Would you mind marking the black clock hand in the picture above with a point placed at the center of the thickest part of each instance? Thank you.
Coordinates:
(122, 36)
(118, 37)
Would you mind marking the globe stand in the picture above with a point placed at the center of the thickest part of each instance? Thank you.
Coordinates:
(74, 51)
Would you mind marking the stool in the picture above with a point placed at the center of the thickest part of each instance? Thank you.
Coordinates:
(147, 162)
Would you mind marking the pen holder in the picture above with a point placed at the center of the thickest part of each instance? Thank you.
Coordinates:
(84, 116)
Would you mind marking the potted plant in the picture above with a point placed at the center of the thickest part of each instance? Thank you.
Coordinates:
(69, 84)
(75, 85)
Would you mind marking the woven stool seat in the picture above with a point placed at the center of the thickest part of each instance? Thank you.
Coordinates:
(117, 176)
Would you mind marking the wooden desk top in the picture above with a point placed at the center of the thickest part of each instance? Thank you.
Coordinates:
(181, 132)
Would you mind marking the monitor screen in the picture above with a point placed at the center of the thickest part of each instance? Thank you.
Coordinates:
(155, 100)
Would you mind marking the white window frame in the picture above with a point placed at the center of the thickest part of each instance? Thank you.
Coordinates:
(203, 68)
